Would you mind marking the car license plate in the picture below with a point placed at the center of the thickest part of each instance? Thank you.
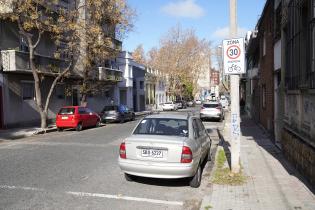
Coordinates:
(64, 117)
(152, 153)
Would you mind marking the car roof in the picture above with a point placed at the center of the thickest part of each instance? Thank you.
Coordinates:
(171, 116)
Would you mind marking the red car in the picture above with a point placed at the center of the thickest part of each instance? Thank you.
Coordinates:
(76, 117)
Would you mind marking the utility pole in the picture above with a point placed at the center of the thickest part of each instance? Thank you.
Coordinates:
(235, 98)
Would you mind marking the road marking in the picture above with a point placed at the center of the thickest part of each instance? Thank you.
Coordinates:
(121, 197)
(98, 195)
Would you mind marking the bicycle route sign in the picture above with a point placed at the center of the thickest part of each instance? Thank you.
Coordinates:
(234, 56)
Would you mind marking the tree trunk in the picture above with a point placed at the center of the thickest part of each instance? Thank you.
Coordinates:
(43, 119)
(83, 100)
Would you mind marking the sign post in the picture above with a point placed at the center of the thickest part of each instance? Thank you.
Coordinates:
(234, 64)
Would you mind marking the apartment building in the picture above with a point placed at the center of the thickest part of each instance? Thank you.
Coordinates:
(17, 104)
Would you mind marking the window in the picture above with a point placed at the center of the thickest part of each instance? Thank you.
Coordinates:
(263, 96)
(141, 83)
(300, 53)
(81, 110)
(65, 111)
(264, 44)
(163, 126)
(28, 92)
(195, 128)
(278, 17)
(201, 128)
(60, 91)
(23, 45)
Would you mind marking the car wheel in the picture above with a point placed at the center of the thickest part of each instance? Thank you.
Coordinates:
(128, 177)
(79, 127)
(196, 179)
(122, 120)
(133, 117)
(59, 129)
(98, 124)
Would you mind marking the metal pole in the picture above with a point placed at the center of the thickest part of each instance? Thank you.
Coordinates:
(235, 98)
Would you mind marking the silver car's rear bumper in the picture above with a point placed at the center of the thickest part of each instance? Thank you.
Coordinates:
(206, 115)
(157, 170)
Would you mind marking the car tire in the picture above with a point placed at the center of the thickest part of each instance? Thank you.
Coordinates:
(122, 120)
(196, 179)
(98, 124)
(79, 127)
(128, 177)
(133, 117)
(59, 129)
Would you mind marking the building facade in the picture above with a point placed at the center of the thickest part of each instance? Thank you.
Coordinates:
(281, 79)
(17, 94)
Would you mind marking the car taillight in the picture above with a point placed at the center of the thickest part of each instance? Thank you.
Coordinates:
(186, 155)
(219, 107)
(122, 151)
(202, 107)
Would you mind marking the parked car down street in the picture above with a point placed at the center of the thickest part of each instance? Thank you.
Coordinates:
(198, 102)
(210, 110)
(169, 106)
(224, 101)
(77, 117)
(115, 113)
(168, 146)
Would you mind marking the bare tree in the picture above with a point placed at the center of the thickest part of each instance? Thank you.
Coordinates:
(139, 55)
(182, 56)
(83, 31)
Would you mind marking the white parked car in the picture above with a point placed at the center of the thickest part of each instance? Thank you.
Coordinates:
(168, 106)
(210, 110)
(168, 146)
(198, 102)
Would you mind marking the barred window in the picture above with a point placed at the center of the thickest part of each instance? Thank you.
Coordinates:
(27, 90)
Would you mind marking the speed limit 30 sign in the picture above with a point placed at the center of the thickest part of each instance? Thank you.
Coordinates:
(234, 56)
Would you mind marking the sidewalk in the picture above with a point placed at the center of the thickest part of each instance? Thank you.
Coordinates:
(272, 183)
(23, 132)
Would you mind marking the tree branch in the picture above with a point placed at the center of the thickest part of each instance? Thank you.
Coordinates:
(52, 87)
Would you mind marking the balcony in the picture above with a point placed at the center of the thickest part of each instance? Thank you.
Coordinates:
(18, 62)
(109, 74)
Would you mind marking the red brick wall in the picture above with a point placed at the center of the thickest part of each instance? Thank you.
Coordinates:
(266, 70)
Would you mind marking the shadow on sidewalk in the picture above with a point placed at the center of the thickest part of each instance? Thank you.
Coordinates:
(226, 146)
(252, 132)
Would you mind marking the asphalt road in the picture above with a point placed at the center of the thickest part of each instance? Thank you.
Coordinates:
(79, 170)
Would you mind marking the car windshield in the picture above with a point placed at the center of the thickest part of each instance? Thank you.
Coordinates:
(210, 105)
(163, 126)
(66, 111)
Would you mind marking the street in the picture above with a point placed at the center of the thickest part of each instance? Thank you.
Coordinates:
(79, 170)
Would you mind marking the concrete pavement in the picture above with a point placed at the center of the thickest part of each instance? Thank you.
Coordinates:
(272, 183)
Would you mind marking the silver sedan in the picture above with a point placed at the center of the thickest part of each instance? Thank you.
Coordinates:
(166, 146)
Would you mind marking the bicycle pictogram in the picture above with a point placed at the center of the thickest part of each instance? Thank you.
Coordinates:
(234, 68)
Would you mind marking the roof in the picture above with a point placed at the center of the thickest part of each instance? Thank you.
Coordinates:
(180, 116)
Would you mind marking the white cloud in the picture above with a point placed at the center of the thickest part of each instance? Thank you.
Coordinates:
(184, 8)
(223, 33)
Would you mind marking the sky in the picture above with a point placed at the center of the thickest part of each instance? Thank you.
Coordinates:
(209, 19)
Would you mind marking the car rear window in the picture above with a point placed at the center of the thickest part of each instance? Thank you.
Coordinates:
(66, 111)
(210, 105)
(162, 126)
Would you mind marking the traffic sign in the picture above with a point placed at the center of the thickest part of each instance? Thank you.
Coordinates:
(234, 56)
